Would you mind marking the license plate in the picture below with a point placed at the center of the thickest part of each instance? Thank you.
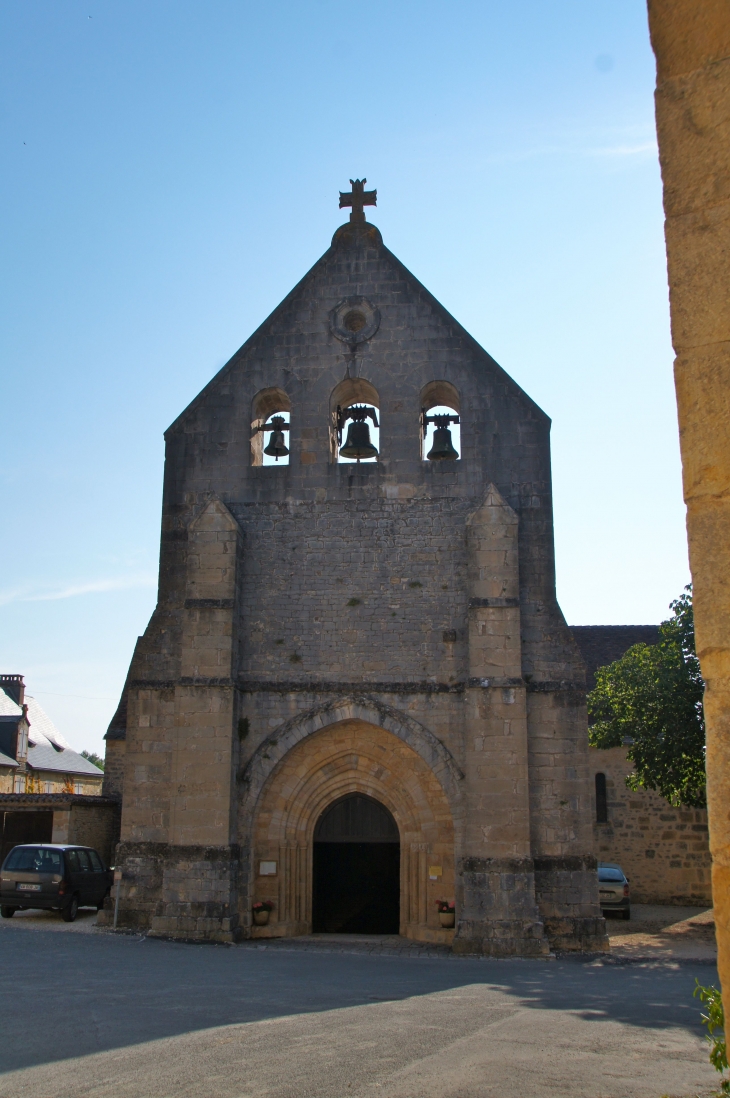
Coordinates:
(604, 893)
(28, 888)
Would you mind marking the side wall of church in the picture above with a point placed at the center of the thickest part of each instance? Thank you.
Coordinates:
(356, 578)
(663, 850)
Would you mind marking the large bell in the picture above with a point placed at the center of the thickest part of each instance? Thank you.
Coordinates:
(358, 444)
(442, 449)
(277, 447)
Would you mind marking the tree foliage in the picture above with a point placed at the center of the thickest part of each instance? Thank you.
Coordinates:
(93, 758)
(651, 701)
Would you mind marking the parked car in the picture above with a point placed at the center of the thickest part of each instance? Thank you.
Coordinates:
(59, 877)
(613, 889)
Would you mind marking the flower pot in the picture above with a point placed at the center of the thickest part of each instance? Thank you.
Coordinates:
(261, 918)
(447, 919)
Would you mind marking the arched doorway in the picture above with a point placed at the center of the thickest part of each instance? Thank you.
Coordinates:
(349, 756)
(356, 868)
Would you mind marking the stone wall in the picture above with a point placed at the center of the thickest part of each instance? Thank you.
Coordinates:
(96, 826)
(692, 46)
(664, 851)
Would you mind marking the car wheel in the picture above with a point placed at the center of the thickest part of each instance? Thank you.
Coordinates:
(626, 914)
(7, 912)
(69, 913)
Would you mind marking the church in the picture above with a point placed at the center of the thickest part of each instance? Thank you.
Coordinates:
(357, 707)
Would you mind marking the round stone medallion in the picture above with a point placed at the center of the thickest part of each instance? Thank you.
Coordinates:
(354, 320)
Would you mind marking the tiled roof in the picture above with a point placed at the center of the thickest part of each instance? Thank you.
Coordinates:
(47, 748)
(5, 760)
(602, 644)
(44, 756)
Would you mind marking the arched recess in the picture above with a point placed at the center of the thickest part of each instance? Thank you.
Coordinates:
(273, 749)
(353, 390)
(439, 398)
(351, 756)
(265, 404)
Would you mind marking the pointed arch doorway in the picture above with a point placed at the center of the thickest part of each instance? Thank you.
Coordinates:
(356, 868)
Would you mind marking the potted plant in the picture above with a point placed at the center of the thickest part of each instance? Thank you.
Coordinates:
(261, 912)
(447, 913)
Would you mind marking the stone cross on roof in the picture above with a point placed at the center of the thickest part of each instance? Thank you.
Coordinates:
(357, 198)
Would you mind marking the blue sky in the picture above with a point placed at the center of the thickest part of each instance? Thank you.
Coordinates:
(171, 170)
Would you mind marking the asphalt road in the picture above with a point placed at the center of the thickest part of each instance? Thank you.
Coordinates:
(118, 1017)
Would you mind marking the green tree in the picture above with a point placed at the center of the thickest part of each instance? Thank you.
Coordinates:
(95, 759)
(651, 700)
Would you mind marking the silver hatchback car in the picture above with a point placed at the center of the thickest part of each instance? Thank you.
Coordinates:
(613, 889)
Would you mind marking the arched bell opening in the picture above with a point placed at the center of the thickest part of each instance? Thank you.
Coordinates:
(440, 422)
(354, 422)
(270, 418)
(356, 868)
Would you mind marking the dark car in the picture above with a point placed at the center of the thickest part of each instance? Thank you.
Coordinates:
(48, 875)
(613, 889)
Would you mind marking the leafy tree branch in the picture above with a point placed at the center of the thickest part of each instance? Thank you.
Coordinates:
(650, 700)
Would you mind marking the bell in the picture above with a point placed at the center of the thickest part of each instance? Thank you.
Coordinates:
(442, 449)
(358, 444)
(277, 447)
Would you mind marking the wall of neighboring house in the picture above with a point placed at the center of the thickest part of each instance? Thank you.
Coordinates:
(50, 781)
(664, 851)
(6, 779)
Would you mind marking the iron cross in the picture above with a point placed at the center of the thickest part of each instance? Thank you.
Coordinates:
(357, 198)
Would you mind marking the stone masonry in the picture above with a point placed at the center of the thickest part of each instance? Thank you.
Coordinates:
(388, 628)
(663, 849)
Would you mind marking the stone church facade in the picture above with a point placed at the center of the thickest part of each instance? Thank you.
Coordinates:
(385, 630)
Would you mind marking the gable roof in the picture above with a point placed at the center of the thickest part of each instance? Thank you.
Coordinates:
(310, 276)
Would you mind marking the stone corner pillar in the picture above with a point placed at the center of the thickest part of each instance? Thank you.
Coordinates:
(498, 912)
(691, 42)
(179, 863)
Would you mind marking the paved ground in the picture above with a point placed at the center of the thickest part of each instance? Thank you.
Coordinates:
(653, 933)
(118, 1016)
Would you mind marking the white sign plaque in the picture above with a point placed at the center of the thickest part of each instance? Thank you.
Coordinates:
(267, 869)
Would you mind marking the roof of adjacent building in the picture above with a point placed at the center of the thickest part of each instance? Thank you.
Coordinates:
(603, 644)
(47, 748)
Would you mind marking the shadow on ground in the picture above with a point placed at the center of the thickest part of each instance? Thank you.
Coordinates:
(70, 995)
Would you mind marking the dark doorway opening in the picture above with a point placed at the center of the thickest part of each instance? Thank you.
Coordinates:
(24, 827)
(356, 869)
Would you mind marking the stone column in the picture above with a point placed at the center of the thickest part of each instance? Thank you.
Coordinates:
(497, 907)
(692, 45)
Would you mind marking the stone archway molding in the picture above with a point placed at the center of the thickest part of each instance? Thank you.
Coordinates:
(353, 707)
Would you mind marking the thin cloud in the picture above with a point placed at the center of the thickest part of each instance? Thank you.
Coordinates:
(626, 150)
(93, 587)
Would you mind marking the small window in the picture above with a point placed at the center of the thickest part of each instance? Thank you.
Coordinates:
(95, 861)
(78, 787)
(84, 863)
(601, 799)
(19, 784)
(440, 422)
(48, 787)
